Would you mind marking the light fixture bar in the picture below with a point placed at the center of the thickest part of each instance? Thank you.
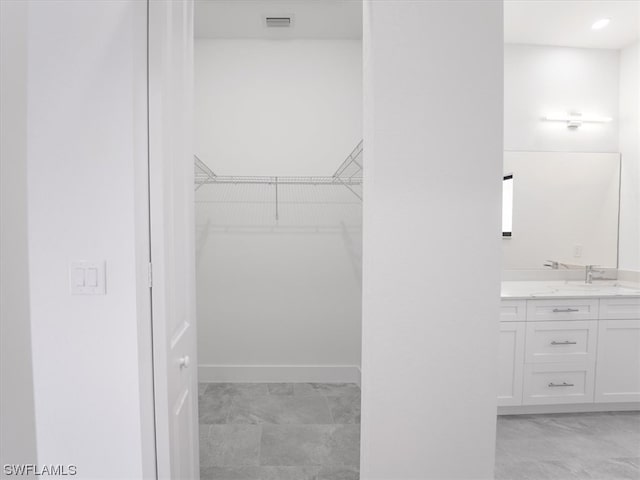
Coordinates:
(574, 120)
(582, 118)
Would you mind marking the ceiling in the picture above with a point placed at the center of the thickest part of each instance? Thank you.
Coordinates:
(568, 22)
(539, 22)
(246, 18)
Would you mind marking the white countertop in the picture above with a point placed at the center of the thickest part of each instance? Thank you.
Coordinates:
(568, 289)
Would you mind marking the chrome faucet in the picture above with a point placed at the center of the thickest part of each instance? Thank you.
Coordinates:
(589, 270)
(555, 264)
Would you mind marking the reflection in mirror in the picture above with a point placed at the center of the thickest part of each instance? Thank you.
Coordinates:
(507, 205)
(565, 208)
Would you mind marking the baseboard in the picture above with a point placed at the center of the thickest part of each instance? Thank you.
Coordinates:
(279, 373)
(569, 408)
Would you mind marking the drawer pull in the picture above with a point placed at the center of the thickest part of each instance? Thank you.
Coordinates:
(565, 310)
(563, 384)
(566, 342)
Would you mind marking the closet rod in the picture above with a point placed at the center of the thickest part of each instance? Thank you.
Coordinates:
(277, 180)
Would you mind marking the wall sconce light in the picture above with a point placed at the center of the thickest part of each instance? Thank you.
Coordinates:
(574, 120)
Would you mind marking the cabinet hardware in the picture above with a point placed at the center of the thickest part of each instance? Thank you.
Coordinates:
(564, 310)
(567, 342)
(563, 384)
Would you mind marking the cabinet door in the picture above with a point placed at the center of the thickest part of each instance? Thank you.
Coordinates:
(511, 363)
(618, 361)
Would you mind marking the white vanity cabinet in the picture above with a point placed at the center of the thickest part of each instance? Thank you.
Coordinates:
(618, 360)
(511, 358)
(513, 314)
(559, 351)
(560, 354)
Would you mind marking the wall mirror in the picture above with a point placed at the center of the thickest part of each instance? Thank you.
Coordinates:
(564, 208)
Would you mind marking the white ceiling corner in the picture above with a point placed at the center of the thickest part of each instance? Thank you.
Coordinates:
(568, 22)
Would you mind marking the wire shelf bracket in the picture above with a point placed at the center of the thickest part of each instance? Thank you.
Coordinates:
(202, 172)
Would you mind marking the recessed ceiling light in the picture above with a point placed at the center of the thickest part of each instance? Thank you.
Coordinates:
(600, 24)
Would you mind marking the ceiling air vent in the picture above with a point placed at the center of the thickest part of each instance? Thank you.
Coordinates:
(278, 21)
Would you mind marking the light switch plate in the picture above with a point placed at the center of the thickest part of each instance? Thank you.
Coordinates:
(577, 251)
(87, 278)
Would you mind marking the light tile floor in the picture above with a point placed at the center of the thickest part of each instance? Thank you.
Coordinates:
(279, 431)
(585, 446)
(311, 431)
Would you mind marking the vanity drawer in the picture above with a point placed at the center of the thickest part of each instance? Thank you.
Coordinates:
(620, 308)
(513, 310)
(562, 309)
(552, 383)
(553, 342)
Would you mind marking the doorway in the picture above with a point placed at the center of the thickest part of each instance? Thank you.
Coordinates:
(278, 217)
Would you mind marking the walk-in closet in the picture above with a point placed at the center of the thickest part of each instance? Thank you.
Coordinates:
(279, 163)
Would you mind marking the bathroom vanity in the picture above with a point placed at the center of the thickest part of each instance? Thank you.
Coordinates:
(567, 346)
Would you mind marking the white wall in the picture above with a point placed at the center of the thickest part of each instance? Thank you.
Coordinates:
(18, 435)
(539, 80)
(431, 210)
(562, 200)
(278, 300)
(630, 150)
(277, 107)
(87, 201)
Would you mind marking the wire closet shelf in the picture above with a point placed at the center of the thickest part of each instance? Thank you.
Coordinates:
(348, 174)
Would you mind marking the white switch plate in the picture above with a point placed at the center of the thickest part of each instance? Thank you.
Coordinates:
(577, 251)
(87, 278)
